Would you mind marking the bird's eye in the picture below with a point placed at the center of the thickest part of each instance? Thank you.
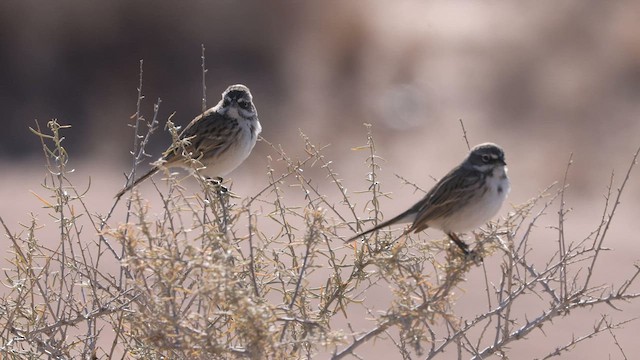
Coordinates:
(243, 104)
(486, 158)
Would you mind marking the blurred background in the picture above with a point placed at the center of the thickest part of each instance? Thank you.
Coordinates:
(542, 79)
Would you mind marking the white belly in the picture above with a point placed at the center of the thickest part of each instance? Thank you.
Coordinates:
(229, 160)
(478, 212)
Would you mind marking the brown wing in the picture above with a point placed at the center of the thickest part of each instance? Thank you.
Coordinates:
(446, 196)
(205, 136)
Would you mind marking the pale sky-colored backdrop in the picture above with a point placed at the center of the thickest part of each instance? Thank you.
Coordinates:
(543, 79)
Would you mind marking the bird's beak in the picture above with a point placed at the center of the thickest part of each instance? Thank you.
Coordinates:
(502, 162)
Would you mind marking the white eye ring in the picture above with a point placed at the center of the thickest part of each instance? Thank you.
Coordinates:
(486, 158)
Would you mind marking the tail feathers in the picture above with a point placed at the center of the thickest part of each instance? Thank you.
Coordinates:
(406, 216)
(138, 181)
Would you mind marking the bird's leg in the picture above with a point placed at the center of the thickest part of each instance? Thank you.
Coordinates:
(461, 244)
(469, 254)
(222, 194)
(217, 183)
(221, 191)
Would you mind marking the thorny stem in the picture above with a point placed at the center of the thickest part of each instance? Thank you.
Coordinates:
(561, 241)
(464, 134)
(608, 223)
(310, 238)
(204, 82)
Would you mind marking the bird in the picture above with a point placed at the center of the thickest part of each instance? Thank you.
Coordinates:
(468, 196)
(221, 138)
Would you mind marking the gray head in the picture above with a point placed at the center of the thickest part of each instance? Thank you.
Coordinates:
(486, 156)
(237, 99)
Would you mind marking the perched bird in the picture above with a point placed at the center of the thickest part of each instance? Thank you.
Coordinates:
(467, 197)
(220, 139)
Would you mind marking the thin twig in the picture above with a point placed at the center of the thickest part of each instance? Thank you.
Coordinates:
(464, 134)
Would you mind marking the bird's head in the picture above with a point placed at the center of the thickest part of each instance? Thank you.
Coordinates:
(486, 156)
(237, 101)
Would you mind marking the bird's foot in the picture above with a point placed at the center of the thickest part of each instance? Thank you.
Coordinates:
(461, 244)
(221, 189)
(471, 255)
